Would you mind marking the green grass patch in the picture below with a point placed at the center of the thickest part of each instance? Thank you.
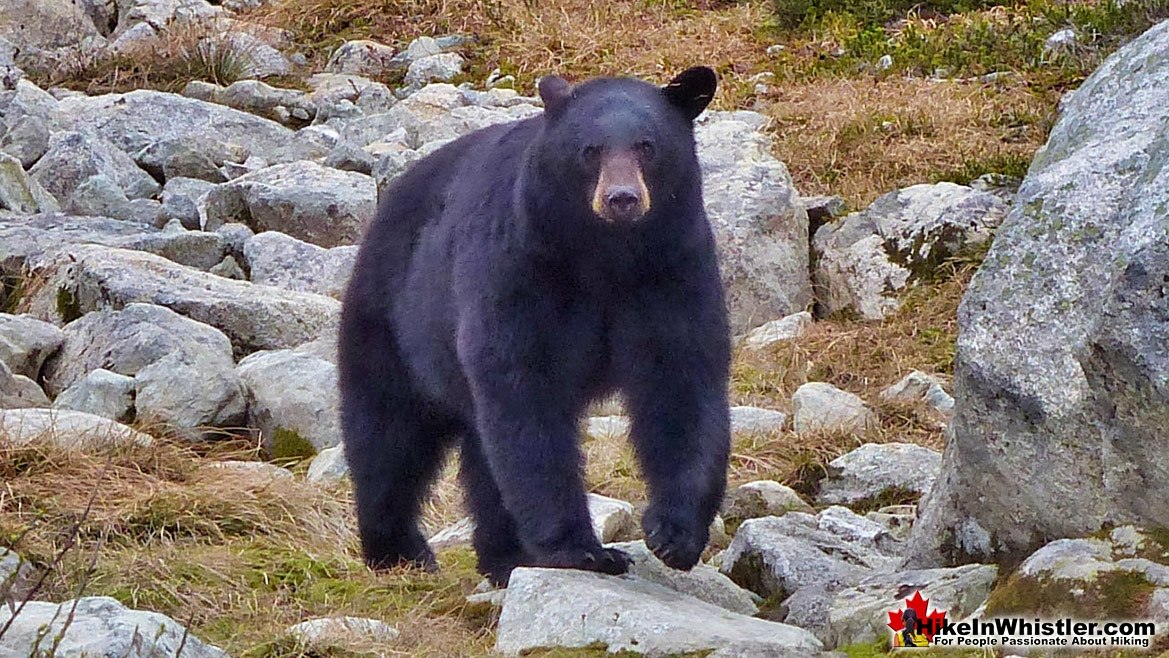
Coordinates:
(1013, 165)
(289, 446)
(961, 39)
(1112, 595)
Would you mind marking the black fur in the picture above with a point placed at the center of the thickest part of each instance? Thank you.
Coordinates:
(489, 305)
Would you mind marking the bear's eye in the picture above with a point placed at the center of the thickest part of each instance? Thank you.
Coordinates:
(645, 149)
(591, 153)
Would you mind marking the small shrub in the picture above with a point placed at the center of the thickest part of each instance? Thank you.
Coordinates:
(221, 60)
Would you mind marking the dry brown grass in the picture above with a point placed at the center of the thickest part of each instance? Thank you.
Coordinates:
(181, 53)
(859, 356)
(237, 557)
(860, 138)
(576, 38)
(857, 137)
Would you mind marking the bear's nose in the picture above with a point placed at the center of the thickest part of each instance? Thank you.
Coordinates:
(623, 202)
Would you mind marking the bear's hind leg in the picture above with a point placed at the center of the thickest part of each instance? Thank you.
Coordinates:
(393, 458)
(496, 539)
(394, 442)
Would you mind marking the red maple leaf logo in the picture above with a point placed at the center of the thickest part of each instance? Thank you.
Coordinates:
(930, 623)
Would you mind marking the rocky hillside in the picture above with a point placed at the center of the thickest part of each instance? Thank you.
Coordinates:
(182, 185)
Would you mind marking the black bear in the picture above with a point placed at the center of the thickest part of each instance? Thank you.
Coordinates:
(510, 278)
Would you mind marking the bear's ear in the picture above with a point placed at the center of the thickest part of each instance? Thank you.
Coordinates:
(554, 90)
(692, 90)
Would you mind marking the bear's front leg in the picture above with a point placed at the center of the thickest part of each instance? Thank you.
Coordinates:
(674, 361)
(527, 381)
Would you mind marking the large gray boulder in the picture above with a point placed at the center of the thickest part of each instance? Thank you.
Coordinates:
(575, 609)
(73, 157)
(877, 470)
(363, 57)
(1061, 364)
(1079, 577)
(287, 106)
(775, 556)
(22, 238)
(280, 260)
(85, 278)
(340, 93)
(25, 343)
(101, 393)
(181, 199)
(158, 14)
(97, 626)
(865, 259)
(821, 407)
(32, 24)
(18, 391)
(762, 498)
(321, 205)
(26, 139)
(139, 120)
(71, 430)
(759, 223)
(859, 614)
(27, 100)
(184, 375)
(442, 111)
(19, 192)
(290, 391)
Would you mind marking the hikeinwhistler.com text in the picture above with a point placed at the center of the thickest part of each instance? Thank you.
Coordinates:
(1019, 632)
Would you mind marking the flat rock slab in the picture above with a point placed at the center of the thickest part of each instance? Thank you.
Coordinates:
(22, 238)
(776, 556)
(66, 429)
(873, 470)
(703, 582)
(85, 278)
(98, 626)
(141, 119)
(574, 609)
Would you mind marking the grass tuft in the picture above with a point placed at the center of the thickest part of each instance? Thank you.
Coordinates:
(179, 55)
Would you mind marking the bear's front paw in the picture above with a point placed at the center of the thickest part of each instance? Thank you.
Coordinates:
(676, 543)
(602, 560)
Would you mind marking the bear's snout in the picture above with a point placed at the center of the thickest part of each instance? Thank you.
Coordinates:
(621, 194)
(623, 203)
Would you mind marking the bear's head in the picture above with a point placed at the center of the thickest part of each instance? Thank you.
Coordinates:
(618, 146)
